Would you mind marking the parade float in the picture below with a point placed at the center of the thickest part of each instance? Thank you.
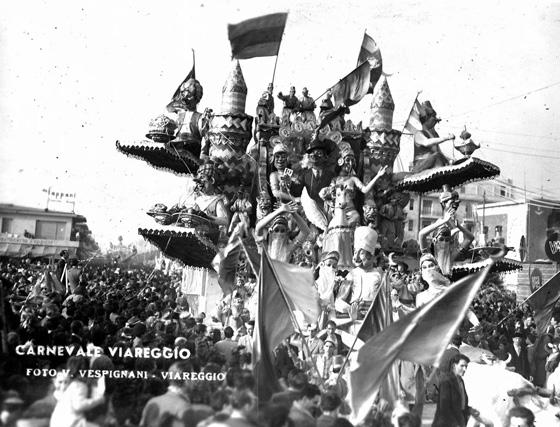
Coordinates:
(318, 191)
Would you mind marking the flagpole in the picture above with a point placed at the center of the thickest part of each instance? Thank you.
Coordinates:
(294, 321)
(276, 60)
(193, 64)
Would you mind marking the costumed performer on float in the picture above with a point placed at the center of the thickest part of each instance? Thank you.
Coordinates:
(445, 248)
(362, 289)
(347, 178)
(427, 154)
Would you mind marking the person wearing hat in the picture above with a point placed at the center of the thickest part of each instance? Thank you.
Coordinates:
(265, 106)
(291, 104)
(366, 277)
(280, 243)
(445, 247)
(319, 174)
(306, 107)
(519, 358)
(280, 179)
(427, 154)
(349, 182)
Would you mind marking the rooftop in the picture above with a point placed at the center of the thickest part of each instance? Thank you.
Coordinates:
(26, 210)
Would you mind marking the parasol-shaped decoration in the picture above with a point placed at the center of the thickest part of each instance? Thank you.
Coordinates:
(502, 265)
(182, 244)
(161, 156)
(463, 171)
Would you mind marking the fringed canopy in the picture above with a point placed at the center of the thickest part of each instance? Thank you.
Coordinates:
(462, 172)
(161, 157)
(184, 245)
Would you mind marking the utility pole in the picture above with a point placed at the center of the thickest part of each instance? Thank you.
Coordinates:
(484, 215)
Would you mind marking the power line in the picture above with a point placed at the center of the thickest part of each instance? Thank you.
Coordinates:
(523, 147)
(523, 154)
(553, 138)
(506, 100)
(536, 192)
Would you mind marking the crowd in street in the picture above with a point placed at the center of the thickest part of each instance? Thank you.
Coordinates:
(108, 310)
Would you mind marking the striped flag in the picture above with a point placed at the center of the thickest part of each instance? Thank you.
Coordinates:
(413, 124)
(420, 337)
(369, 52)
(259, 36)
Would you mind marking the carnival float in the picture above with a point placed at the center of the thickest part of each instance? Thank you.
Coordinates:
(311, 188)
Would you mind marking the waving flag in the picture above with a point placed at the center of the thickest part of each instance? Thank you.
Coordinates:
(369, 52)
(283, 288)
(543, 301)
(352, 88)
(258, 36)
(421, 337)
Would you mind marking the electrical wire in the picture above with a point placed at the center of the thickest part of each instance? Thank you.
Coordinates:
(523, 154)
(505, 100)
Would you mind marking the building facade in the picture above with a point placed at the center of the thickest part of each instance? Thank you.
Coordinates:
(35, 232)
(425, 209)
(523, 225)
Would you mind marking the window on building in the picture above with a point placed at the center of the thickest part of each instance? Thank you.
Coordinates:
(411, 205)
(410, 224)
(50, 230)
(426, 207)
(468, 210)
(503, 191)
(462, 189)
(7, 225)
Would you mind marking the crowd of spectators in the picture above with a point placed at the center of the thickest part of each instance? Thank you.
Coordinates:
(112, 308)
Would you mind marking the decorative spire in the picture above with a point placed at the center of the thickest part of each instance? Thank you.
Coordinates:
(382, 106)
(234, 92)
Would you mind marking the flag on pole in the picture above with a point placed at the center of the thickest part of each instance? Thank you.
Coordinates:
(369, 52)
(352, 88)
(283, 288)
(413, 124)
(421, 337)
(543, 301)
(259, 36)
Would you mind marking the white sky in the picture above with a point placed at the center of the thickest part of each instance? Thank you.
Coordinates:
(76, 76)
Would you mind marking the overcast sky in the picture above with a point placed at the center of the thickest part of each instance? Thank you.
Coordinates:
(76, 76)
